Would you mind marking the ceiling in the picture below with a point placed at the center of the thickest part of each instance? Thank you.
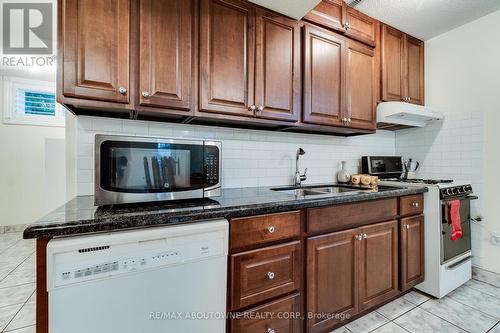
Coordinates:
(291, 8)
(427, 18)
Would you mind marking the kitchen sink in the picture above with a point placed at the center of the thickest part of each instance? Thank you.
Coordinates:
(331, 190)
(324, 190)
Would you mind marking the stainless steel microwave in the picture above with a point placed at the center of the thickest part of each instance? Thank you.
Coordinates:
(131, 169)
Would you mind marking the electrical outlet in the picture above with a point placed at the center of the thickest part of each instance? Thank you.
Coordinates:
(495, 238)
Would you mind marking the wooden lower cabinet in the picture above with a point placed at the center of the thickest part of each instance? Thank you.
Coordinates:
(412, 257)
(350, 271)
(378, 264)
(262, 274)
(281, 316)
(331, 278)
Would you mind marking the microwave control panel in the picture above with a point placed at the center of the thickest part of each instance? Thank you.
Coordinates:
(212, 165)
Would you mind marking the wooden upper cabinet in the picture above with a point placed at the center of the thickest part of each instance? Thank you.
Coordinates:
(392, 64)
(378, 264)
(329, 13)
(360, 26)
(332, 278)
(412, 251)
(165, 53)
(361, 86)
(324, 75)
(95, 45)
(402, 67)
(414, 70)
(277, 67)
(337, 15)
(227, 29)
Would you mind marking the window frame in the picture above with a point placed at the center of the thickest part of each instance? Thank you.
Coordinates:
(10, 115)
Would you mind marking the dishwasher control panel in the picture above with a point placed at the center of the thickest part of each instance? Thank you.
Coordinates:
(113, 260)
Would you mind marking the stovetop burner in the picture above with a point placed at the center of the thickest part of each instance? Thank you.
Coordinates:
(424, 181)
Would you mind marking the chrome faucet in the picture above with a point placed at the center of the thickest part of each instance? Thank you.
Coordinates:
(298, 177)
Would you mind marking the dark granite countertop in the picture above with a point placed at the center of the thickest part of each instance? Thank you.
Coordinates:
(81, 216)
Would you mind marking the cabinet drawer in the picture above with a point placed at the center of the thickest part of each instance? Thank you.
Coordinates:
(267, 318)
(264, 273)
(339, 217)
(261, 229)
(411, 205)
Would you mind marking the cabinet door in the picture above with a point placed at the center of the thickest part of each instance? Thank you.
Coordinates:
(412, 251)
(269, 317)
(227, 29)
(360, 26)
(392, 64)
(378, 264)
(414, 67)
(361, 86)
(277, 67)
(331, 278)
(95, 38)
(324, 76)
(328, 13)
(165, 53)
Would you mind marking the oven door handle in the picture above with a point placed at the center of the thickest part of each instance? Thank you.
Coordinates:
(468, 197)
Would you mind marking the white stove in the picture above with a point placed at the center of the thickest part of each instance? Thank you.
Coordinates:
(447, 262)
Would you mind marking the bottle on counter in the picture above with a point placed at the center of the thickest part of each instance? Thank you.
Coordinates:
(343, 176)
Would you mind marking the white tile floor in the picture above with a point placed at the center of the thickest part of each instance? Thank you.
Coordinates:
(474, 307)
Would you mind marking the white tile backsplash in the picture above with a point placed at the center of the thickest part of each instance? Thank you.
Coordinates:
(448, 149)
(249, 157)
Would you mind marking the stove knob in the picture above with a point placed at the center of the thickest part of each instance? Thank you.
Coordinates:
(464, 189)
(448, 191)
(454, 190)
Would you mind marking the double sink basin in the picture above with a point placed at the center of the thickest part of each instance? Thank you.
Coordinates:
(329, 190)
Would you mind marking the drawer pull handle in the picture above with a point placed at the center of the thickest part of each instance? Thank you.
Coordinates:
(415, 204)
(270, 330)
(271, 229)
(270, 275)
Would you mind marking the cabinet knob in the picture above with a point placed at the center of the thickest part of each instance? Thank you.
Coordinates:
(270, 275)
(349, 120)
(252, 108)
(260, 109)
(270, 330)
(407, 226)
(365, 236)
(122, 90)
(145, 94)
(359, 237)
(271, 229)
(415, 204)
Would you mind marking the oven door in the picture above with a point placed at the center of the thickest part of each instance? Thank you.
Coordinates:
(135, 169)
(451, 249)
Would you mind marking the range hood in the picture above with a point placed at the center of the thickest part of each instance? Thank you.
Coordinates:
(399, 115)
(296, 9)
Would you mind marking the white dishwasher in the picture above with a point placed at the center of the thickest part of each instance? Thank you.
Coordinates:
(166, 279)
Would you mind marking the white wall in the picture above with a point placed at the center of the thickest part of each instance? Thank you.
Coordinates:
(31, 172)
(463, 80)
(250, 157)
